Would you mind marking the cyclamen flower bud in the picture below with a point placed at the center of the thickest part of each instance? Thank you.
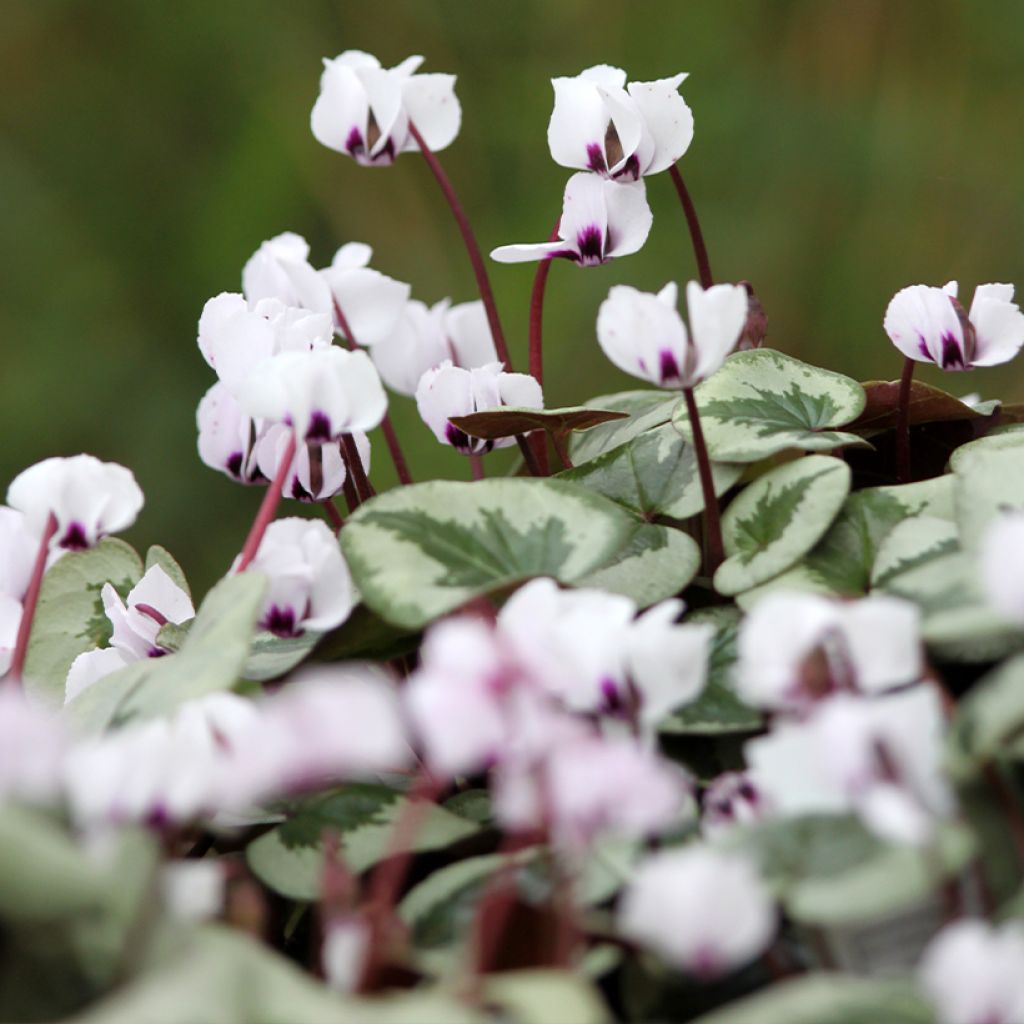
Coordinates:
(600, 220)
(644, 334)
(929, 325)
(88, 498)
(364, 110)
(153, 602)
(452, 391)
(318, 470)
(425, 337)
(601, 124)
(371, 302)
(309, 582)
(322, 394)
(703, 910)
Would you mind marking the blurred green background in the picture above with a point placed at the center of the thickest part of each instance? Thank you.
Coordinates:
(842, 150)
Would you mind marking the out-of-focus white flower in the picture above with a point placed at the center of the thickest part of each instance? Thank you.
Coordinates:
(364, 110)
(590, 786)
(601, 124)
(153, 602)
(227, 436)
(10, 621)
(309, 585)
(450, 391)
(280, 269)
(193, 890)
(731, 799)
(929, 325)
(601, 219)
(973, 973)
(796, 648)
(425, 337)
(346, 943)
(317, 471)
(371, 302)
(703, 910)
(1002, 566)
(33, 744)
(644, 335)
(88, 498)
(878, 757)
(322, 394)
(17, 553)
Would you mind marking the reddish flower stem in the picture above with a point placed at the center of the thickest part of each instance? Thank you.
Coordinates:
(28, 608)
(360, 481)
(334, 516)
(715, 549)
(696, 235)
(348, 489)
(529, 453)
(476, 467)
(561, 449)
(267, 507)
(540, 284)
(390, 436)
(472, 247)
(903, 423)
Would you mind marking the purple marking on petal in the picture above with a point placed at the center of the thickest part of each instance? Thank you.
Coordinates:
(156, 652)
(281, 622)
(299, 493)
(458, 439)
(74, 538)
(611, 699)
(668, 368)
(319, 428)
(952, 354)
(590, 243)
(630, 169)
(922, 347)
(354, 143)
(158, 817)
(706, 962)
(234, 465)
(595, 158)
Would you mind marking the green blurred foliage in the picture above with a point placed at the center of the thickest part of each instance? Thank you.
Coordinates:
(843, 149)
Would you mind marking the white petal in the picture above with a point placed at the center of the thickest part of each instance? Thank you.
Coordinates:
(644, 336)
(224, 433)
(667, 119)
(159, 591)
(469, 334)
(1002, 566)
(352, 255)
(520, 390)
(527, 252)
(717, 317)
(606, 75)
(579, 120)
(585, 213)
(883, 636)
(433, 107)
(92, 666)
(442, 393)
(922, 323)
(998, 322)
(342, 109)
(629, 217)
(371, 302)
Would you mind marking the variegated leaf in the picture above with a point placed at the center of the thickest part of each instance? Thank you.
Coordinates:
(988, 480)
(762, 402)
(422, 551)
(653, 474)
(1010, 436)
(778, 519)
(645, 409)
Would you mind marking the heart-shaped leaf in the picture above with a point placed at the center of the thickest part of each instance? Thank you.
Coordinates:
(928, 404)
(762, 402)
(419, 552)
(493, 424)
(778, 519)
(645, 409)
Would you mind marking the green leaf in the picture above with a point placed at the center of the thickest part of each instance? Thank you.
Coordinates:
(289, 858)
(988, 481)
(828, 999)
(273, 656)
(653, 474)
(506, 421)
(928, 404)
(157, 555)
(419, 552)
(913, 543)
(211, 659)
(762, 402)
(547, 997)
(657, 563)
(718, 710)
(646, 410)
(778, 519)
(69, 618)
(1001, 438)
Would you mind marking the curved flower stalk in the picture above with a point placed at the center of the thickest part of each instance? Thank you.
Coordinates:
(702, 910)
(365, 111)
(929, 325)
(600, 221)
(153, 602)
(623, 131)
(644, 335)
(427, 336)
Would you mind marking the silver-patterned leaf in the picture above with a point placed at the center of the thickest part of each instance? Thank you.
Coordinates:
(646, 410)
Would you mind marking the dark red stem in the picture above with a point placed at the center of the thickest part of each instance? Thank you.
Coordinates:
(267, 507)
(390, 436)
(715, 551)
(476, 258)
(903, 423)
(696, 236)
(529, 452)
(28, 607)
(476, 467)
(540, 284)
(363, 488)
(332, 513)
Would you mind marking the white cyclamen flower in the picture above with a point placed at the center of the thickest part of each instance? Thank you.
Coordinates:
(17, 553)
(280, 269)
(973, 973)
(193, 890)
(929, 325)
(452, 391)
(601, 219)
(88, 498)
(153, 602)
(731, 799)
(644, 335)
(309, 583)
(795, 648)
(10, 622)
(703, 910)
(427, 336)
(318, 470)
(371, 302)
(365, 110)
(601, 124)
(227, 436)
(1002, 566)
(33, 744)
(322, 394)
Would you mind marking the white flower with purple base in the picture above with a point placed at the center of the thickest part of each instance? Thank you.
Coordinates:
(317, 471)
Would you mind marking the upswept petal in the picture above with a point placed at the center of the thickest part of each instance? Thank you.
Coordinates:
(629, 218)
(579, 120)
(342, 110)
(586, 215)
(469, 333)
(520, 390)
(432, 106)
(717, 318)
(225, 435)
(352, 255)
(998, 322)
(667, 118)
(371, 302)
(643, 335)
(92, 666)
(922, 323)
(417, 344)
(529, 252)
(444, 392)
(280, 269)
